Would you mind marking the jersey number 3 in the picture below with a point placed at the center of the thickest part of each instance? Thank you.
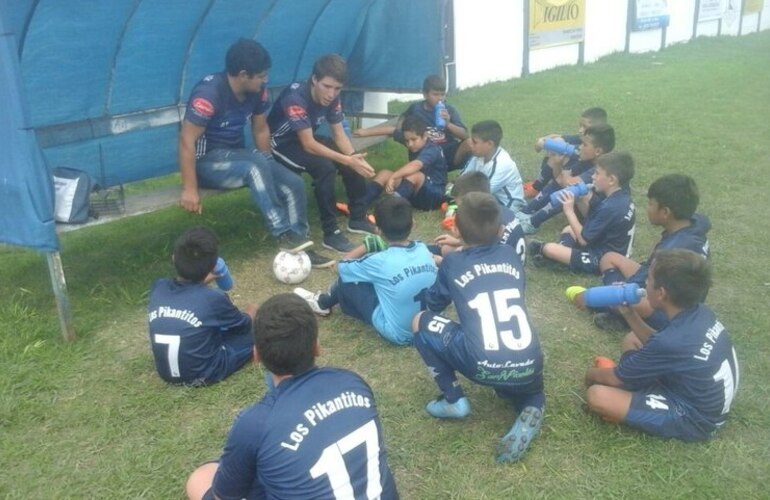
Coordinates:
(504, 311)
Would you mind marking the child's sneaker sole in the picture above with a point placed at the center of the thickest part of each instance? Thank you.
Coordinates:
(513, 445)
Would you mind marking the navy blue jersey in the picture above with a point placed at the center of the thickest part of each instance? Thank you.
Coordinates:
(693, 358)
(316, 435)
(188, 324)
(440, 136)
(433, 163)
(582, 169)
(513, 233)
(295, 110)
(486, 285)
(213, 105)
(609, 226)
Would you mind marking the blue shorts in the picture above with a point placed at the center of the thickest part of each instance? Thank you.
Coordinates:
(655, 411)
(358, 300)
(584, 261)
(429, 197)
(446, 339)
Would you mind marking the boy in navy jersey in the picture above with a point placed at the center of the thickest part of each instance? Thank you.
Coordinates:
(422, 180)
(566, 171)
(609, 220)
(493, 343)
(298, 111)
(678, 382)
(451, 138)
(315, 434)
(495, 162)
(511, 232)
(672, 201)
(591, 117)
(198, 336)
(212, 150)
(379, 288)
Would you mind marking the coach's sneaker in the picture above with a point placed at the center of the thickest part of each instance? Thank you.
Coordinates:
(526, 223)
(513, 445)
(575, 296)
(361, 226)
(610, 321)
(529, 190)
(292, 242)
(337, 241)
(318, 261)
(312, 300)
(440, 408)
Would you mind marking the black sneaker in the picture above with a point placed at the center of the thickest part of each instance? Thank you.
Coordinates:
(318, 261)
(610, 321)
(292, 242)
(337, 241)
(361, 226)
(535, 247)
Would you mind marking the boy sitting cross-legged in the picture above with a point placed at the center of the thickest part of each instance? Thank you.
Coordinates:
(493, 343)
(379, 288)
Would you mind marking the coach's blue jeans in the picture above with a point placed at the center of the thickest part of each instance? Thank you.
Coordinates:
(277, 192)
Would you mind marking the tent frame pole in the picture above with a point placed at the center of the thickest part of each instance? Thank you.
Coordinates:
(59, 285)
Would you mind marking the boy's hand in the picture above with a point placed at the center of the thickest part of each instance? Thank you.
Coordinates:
(191, 201)
(392, 184)
(567, 201)
(357, 161)
(445, 115)
(448, 240)
(360, 132)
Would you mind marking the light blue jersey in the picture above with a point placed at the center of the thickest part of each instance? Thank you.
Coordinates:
(398, 275)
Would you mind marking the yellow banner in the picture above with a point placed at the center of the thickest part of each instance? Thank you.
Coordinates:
(555, 22)
(753, 6)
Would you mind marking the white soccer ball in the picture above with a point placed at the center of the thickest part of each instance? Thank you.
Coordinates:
(291, 268)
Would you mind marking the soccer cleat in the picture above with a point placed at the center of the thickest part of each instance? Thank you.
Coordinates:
(448, 223)
(337, 241)
(361, 227)
(318, 261)
(526, 223)
(535, 247)
(529, 190)
(440, 408)
(513, 445)
(292, 242)
(312, 300)
(604, 362)
(610, 321)
(575, 296)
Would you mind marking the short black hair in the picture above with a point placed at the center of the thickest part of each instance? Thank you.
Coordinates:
(677, 192)
(618, 163)
(472, 182)
(331, 65)
(601, 136)
(247, 55)
(684, 274)
(195, 253)
(488, 130)
(595, 115)
(433, 82)
(394, 218)
(415, 124)
(285, 334)
(478, 219)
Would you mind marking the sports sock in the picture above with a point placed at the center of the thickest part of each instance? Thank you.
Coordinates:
(373, 190)
(329, 298)
(612, 275)
(405, 189)
(567, 240)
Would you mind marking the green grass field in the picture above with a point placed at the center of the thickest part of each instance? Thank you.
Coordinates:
(90, 419)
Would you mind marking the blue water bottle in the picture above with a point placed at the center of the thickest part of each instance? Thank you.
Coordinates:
(579, 189)
(614, 295)
(437, 118)
(225, 279)
(559, 147)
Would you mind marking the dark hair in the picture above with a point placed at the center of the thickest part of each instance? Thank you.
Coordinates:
(618, 163)
(684, 274)
(433, 82)
(601, 136)
(472, 182)
(331, 65)
(597, 116)
(247, 55)
(285, 334)
(414, 123)
(488, 130)
(677, 192)
(195, 253)
(394, 218)
(478, 219)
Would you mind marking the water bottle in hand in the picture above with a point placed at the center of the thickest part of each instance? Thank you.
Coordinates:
(614, 295)
(559, 147)
(224, 278)
(579, 189)
(438, 119)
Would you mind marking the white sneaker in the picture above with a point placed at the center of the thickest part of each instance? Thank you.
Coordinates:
(312, 300)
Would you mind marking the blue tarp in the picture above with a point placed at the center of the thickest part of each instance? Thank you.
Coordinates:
(105, 80)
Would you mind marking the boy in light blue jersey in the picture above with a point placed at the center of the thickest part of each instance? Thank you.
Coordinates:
(380, 288)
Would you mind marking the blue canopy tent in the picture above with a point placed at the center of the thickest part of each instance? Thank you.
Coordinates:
(105, 83)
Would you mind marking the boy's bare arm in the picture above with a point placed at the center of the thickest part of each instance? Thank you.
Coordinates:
(603, 376)
(374, 131)
(641, 329)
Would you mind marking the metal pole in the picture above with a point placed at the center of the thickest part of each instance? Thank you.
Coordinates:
(59, 285)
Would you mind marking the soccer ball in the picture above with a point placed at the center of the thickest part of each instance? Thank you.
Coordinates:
(291, 268)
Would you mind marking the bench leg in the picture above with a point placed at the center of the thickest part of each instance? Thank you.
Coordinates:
(59, 285)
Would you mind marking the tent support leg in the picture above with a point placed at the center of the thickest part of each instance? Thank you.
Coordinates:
(56, 270)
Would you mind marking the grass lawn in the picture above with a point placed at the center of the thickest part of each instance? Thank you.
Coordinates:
(91, 419)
